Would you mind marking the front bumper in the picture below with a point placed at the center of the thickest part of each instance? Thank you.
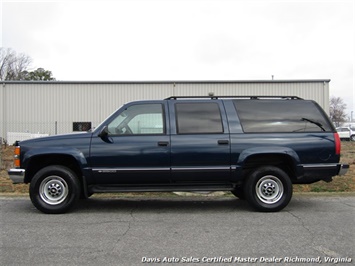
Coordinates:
(17, 175)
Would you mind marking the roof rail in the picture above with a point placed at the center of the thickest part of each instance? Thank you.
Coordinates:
(234, 97)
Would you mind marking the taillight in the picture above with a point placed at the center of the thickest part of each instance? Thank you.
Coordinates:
(337, 144)
(17, 156)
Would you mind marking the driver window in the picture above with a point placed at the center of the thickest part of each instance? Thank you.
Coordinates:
(140, 119)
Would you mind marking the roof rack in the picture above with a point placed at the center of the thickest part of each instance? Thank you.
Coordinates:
(234, 97)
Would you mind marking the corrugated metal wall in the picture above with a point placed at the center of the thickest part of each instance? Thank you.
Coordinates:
(52, 107)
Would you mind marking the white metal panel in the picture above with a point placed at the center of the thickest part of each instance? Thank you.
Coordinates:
(52, 107)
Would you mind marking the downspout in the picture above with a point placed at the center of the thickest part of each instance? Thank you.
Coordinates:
(326, 97)
(4, 111)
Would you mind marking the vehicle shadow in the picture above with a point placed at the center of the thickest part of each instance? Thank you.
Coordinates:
(166, 205)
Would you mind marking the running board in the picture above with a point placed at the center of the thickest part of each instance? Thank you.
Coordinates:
(160, 188)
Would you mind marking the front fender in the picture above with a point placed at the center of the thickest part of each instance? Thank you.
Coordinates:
(45, 151)
(35, 158)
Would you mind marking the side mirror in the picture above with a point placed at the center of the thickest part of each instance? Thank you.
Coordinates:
(104, 132)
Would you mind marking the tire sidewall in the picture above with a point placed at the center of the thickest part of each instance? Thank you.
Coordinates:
(250, 189)
(72, 185)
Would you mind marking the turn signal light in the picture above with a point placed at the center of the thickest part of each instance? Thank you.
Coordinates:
(17, 156)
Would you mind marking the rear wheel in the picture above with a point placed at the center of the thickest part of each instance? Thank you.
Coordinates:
(268, 189)
(54, 189)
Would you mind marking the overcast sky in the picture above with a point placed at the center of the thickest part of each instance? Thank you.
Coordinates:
(187, 40)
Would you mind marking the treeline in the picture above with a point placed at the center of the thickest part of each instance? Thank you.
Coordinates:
(14, 66)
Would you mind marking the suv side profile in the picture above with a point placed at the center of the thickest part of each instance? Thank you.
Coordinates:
(255, 147)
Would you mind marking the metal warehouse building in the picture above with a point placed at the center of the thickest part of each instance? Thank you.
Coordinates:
(56, 107)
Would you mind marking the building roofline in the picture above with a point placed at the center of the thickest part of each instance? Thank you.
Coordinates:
(168, 81)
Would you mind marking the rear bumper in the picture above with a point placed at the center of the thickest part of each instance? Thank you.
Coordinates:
(326, 169)
(311, 173)
(17, 175)
(343, 169)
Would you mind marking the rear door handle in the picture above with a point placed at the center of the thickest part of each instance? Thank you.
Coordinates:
(223, 142)
(163, 143)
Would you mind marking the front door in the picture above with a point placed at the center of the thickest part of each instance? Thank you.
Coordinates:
(135, 148)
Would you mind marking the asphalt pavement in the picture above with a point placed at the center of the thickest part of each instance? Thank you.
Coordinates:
(179, 231)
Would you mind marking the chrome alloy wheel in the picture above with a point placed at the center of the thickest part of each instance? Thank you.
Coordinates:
(269, 189)
(53, 190)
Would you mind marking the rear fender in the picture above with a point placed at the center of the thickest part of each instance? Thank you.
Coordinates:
(284, 152)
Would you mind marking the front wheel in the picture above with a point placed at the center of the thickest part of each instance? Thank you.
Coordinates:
(268, 189)
(352, 137)
(54, 189)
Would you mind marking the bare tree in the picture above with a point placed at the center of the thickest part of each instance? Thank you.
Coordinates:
(13, 65)
(337, 110)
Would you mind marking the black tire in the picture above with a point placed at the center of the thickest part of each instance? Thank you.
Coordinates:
(239, 193)
(268, 189)
(54, 189)
(352, 137)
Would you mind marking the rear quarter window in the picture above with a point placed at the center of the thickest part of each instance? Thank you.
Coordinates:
(281, 116)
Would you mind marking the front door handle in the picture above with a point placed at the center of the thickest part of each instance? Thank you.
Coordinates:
(223, 142)
(163, 143)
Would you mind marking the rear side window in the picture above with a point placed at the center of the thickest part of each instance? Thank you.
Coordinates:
(198, 118)
(281, 116)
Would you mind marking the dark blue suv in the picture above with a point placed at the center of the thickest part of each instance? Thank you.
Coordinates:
(255, 147)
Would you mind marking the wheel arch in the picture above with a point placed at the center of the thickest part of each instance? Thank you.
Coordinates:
(285, 159)
(40, 161)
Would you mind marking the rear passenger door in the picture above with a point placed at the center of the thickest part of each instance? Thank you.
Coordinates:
(200, 141)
